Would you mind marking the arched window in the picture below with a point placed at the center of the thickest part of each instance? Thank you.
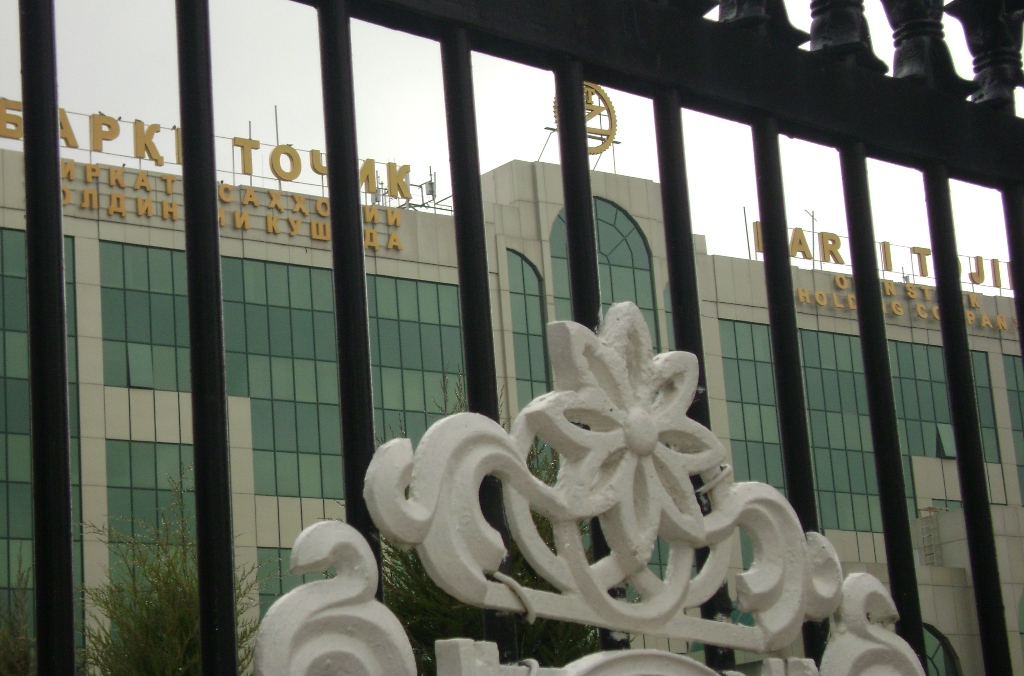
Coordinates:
(624, 262)
(941, 657)
(526, 291)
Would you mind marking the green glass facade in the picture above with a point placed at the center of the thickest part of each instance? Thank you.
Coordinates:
(281, 353)
(841, 442)
(145, 317)
(1014, 367)
(624, 264)
(416, 354)
(922, 403)
(15, 445)
(140, 476)
(840, 431)
(526, 293)
(750, 393)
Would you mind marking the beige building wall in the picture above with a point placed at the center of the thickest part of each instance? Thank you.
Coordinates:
(521, 202)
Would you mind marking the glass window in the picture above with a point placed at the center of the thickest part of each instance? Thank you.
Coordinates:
(277, 284)
(300, 293)
(111, 265)
(140, 365)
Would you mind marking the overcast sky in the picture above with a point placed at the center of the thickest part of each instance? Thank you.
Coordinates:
(119, 57)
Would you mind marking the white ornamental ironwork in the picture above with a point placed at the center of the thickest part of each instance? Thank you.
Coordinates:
(627, 450)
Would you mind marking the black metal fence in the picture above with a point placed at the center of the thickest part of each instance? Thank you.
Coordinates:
(746, 67)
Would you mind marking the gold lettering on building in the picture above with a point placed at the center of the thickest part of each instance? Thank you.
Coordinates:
(897, 308)
(142, 182)
(398, 181)
(316, 162)
(977, 275)
(370, 239)
(394, 218)
(997, 274)
(115, 177)
(169, 211)
(67, 169)
(102, 128)
(249, 197)
(168, 180)
(911, 291)
(299, 204)
(143, 206)
(145, 146)
(798, 245)
(820, 298)
(117, 205)
(922, 255)
(985, 321)
(886, 257)
(65, 196)
(320, 230)
(803, 296)
(828, 246)
(972, 298)
(275, 200)
(295, 224)
(90, 199)
(294, 163)
(371, 213)
(92, 172)
(246, 145)
(11, 125)
(368, 176)
(323, 207)
(394, 242)
(66, 133)
(226, 192)
(272, 224)
(842, 282)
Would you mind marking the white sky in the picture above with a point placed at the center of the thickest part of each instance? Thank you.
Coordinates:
(119, 57)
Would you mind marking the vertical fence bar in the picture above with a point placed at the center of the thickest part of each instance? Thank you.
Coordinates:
(474, 289)
(581, 243)
(584, 282)
(215, 545)
(796, 445)
(356, 389)
(47, 330)
(686, 322)
(1013, 211)
(970, 458)
(892, 491)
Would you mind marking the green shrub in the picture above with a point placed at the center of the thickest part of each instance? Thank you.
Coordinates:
(145, 619)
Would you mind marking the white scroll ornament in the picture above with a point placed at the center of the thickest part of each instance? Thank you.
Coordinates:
(333, 626)
(627, 451)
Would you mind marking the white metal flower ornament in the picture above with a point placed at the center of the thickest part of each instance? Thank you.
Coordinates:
(627, 451)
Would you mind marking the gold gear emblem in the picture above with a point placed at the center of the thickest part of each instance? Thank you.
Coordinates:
(601, 114)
